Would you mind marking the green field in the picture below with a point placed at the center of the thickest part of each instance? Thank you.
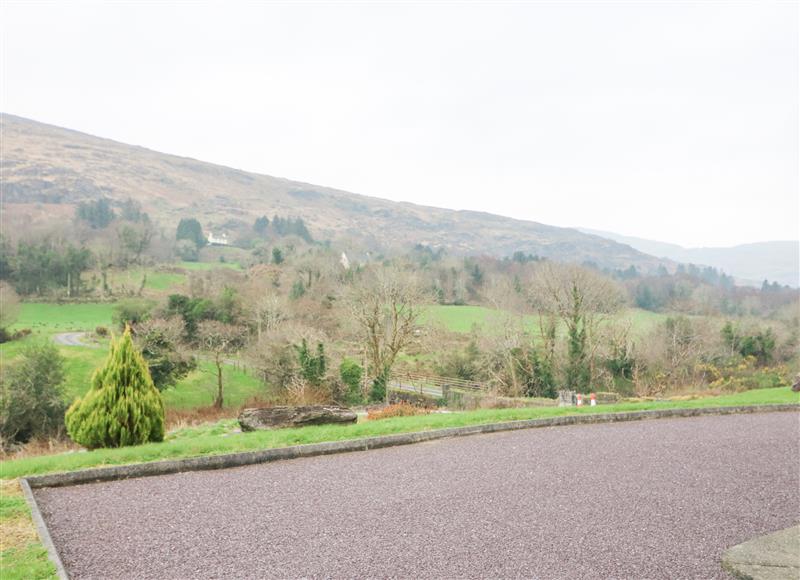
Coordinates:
(195, 390)
(46, 316)
(199, 387)
(462, 319)
(156, 279)
(209, 265)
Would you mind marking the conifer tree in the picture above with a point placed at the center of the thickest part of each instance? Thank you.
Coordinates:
(122, 407)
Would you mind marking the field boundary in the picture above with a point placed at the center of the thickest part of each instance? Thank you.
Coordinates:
(222, 461)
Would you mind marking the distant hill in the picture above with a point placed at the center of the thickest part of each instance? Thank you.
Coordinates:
(46, 170)
(777, 261)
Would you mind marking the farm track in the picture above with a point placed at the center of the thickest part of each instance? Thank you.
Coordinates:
(71, 339)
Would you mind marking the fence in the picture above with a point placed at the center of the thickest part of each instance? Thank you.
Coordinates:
(431, 385)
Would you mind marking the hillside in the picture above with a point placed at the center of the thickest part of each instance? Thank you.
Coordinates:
(777, 261)
(46, 170)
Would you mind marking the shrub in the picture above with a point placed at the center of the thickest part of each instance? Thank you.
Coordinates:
(101, 331)
(31, 402)
(122, 406)
(131, 312)
(159, 341)
(396, 410)
(351, 374)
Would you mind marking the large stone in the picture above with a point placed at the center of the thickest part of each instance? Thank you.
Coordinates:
(280, 417)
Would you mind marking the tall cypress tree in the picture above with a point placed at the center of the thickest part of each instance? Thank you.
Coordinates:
(122, 406)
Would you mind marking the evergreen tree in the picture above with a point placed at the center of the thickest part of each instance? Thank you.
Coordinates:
(98, 214)
(122, 406)
(190, 229)
(312, 366)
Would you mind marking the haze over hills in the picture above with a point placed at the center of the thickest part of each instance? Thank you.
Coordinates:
(776, 261)
(46, 170)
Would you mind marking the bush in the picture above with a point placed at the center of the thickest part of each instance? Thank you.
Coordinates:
(31, 402)
(160, 343)
(396, 410)
(101, 331)
(122, 406)
(351, 374)
(131, 312)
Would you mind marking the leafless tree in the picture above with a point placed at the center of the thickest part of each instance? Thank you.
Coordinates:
(386, 305)
(220, 340)
(9, 305)
(581, 298)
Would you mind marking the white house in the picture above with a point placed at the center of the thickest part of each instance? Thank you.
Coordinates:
(221, 240)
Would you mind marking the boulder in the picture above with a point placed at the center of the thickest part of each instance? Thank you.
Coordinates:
(280, 417)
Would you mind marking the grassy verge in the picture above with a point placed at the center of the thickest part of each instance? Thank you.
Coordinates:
(22, 556)
(202, 443)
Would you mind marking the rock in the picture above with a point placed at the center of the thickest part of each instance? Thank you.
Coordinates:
(280, 417)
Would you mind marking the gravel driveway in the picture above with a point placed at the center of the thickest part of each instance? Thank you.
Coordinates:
(648, 499)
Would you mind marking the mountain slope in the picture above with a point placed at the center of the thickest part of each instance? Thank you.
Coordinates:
(777, 261)
(46, 170)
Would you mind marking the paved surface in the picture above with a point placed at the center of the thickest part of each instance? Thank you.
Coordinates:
(772, 557)
(653, 499)
(70, 339)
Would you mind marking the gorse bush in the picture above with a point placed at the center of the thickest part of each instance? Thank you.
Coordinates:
(122, 406)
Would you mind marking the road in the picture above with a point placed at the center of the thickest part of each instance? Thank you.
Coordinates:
(70, 339)
(648, 499)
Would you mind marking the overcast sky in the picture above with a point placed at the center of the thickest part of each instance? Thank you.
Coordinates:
(674, 121)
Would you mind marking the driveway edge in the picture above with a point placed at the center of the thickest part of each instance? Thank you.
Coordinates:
(41, 528)
(208, 462)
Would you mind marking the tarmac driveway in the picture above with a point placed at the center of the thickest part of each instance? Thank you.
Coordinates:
(647, 499)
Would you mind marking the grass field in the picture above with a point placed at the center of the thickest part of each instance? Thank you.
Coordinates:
(156, 279)
(463, 318)
(47, 316)
(209, 265)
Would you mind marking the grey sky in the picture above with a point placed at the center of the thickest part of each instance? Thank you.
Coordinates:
(674, 121)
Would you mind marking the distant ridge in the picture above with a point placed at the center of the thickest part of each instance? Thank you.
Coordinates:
(776, 261)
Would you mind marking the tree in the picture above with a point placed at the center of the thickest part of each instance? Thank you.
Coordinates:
(133, 312)
(9, 309)
(98, 213)
(122, 407)
(351, 374)
(277, 256)
(159, 340)
(190, 229)
(582, 299)
(312, 366)
(261, 225)
(221, 340)
(31, 403)
(386, 304)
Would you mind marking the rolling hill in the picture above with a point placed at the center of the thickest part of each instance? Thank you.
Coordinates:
(46, 170)
(776, 261)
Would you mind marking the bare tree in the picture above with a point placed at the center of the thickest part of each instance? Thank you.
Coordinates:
(582, 299)
(221, 341)
(386, 304)
(268, 312)
(9, 306)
